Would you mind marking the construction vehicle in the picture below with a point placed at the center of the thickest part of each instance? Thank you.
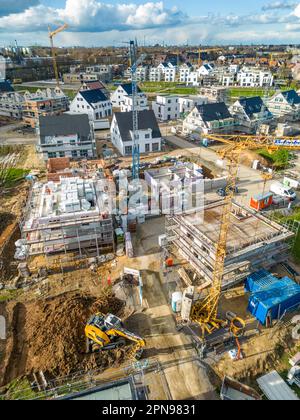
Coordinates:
(205, 311)
(51, 36)
(107, 332)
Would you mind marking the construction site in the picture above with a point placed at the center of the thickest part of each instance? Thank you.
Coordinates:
(180, 303)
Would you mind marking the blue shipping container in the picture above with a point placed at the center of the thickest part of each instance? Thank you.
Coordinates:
(269, 305)
(263, 280)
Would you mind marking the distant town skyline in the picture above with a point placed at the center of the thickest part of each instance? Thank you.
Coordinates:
(103, 23)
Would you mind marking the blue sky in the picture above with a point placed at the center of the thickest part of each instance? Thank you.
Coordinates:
(96, 22)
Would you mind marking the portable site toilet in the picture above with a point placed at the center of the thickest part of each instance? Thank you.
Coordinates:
(261, 201)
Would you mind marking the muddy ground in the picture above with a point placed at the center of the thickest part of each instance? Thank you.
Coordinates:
(48, 335)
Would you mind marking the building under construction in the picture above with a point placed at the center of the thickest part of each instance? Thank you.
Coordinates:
(68, 216)
(254, 242)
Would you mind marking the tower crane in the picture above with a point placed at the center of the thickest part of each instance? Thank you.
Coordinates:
(205, 312)
(52, 35)
(134, 63)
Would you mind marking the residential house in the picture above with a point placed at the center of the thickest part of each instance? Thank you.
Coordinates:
(142, 73)
(103, 72)
(166, 108)
(124, 90)
(169, 71)
(187, 104)
(42, 103)
(193, 79)
(184, 72)
(148, 136)
(254, 77)
(285, 104)
(94, 103)
(250, 114)
(92, 85)
(214, 93)
(205, 69)
(11, 105)
(156, 74)
(141, 103)
(70, 136)
(209, 118)
(228, 79)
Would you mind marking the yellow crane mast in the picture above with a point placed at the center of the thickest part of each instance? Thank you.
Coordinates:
(52, 35)
(205, 312)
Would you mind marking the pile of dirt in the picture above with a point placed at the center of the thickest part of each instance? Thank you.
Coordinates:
(5, 220)
(49, 336)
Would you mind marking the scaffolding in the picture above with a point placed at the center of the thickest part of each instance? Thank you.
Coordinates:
(49, 228)
(254, 242)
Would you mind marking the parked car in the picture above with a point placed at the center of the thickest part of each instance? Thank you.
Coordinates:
(223, 193)
(286, 192)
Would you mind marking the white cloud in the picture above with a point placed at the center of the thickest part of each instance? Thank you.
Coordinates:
(93, 16)
(279, 5)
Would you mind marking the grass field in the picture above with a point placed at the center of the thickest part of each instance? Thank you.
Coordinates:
(248, 92)
(11, 177)
(279, 159)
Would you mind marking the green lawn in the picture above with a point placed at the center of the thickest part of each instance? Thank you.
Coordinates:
(11, 177)
(248, 92)
(168, 88)
(279, 159)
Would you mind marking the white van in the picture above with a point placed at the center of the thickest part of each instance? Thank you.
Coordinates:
(286, 192)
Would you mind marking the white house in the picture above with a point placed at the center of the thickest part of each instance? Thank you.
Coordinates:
(169, 71)
(252, 77)
(184, 72)
(142, 73)
(94, 103)
(228, 79)
(156, 74)
(193, 79)
(209, 118)
(285, 104)
(187, 104)
(166, 108)
(141, 103)
(206, 69)
(250, 113)
(124, 90)
(148, 137)
(66, 135)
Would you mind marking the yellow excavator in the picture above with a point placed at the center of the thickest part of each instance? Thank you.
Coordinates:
(107, 332)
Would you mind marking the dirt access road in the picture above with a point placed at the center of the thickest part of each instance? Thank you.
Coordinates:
(186, 377)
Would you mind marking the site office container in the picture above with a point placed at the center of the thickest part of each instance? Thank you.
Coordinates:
(261, 201)
(263, 280)
(269, 305)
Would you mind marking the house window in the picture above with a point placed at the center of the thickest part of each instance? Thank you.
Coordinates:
(83, 153)
(51, 155)
(128, 150)
(155, 147)
(74, 153)
(62, 154)
(147, 136)
(147, 148)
